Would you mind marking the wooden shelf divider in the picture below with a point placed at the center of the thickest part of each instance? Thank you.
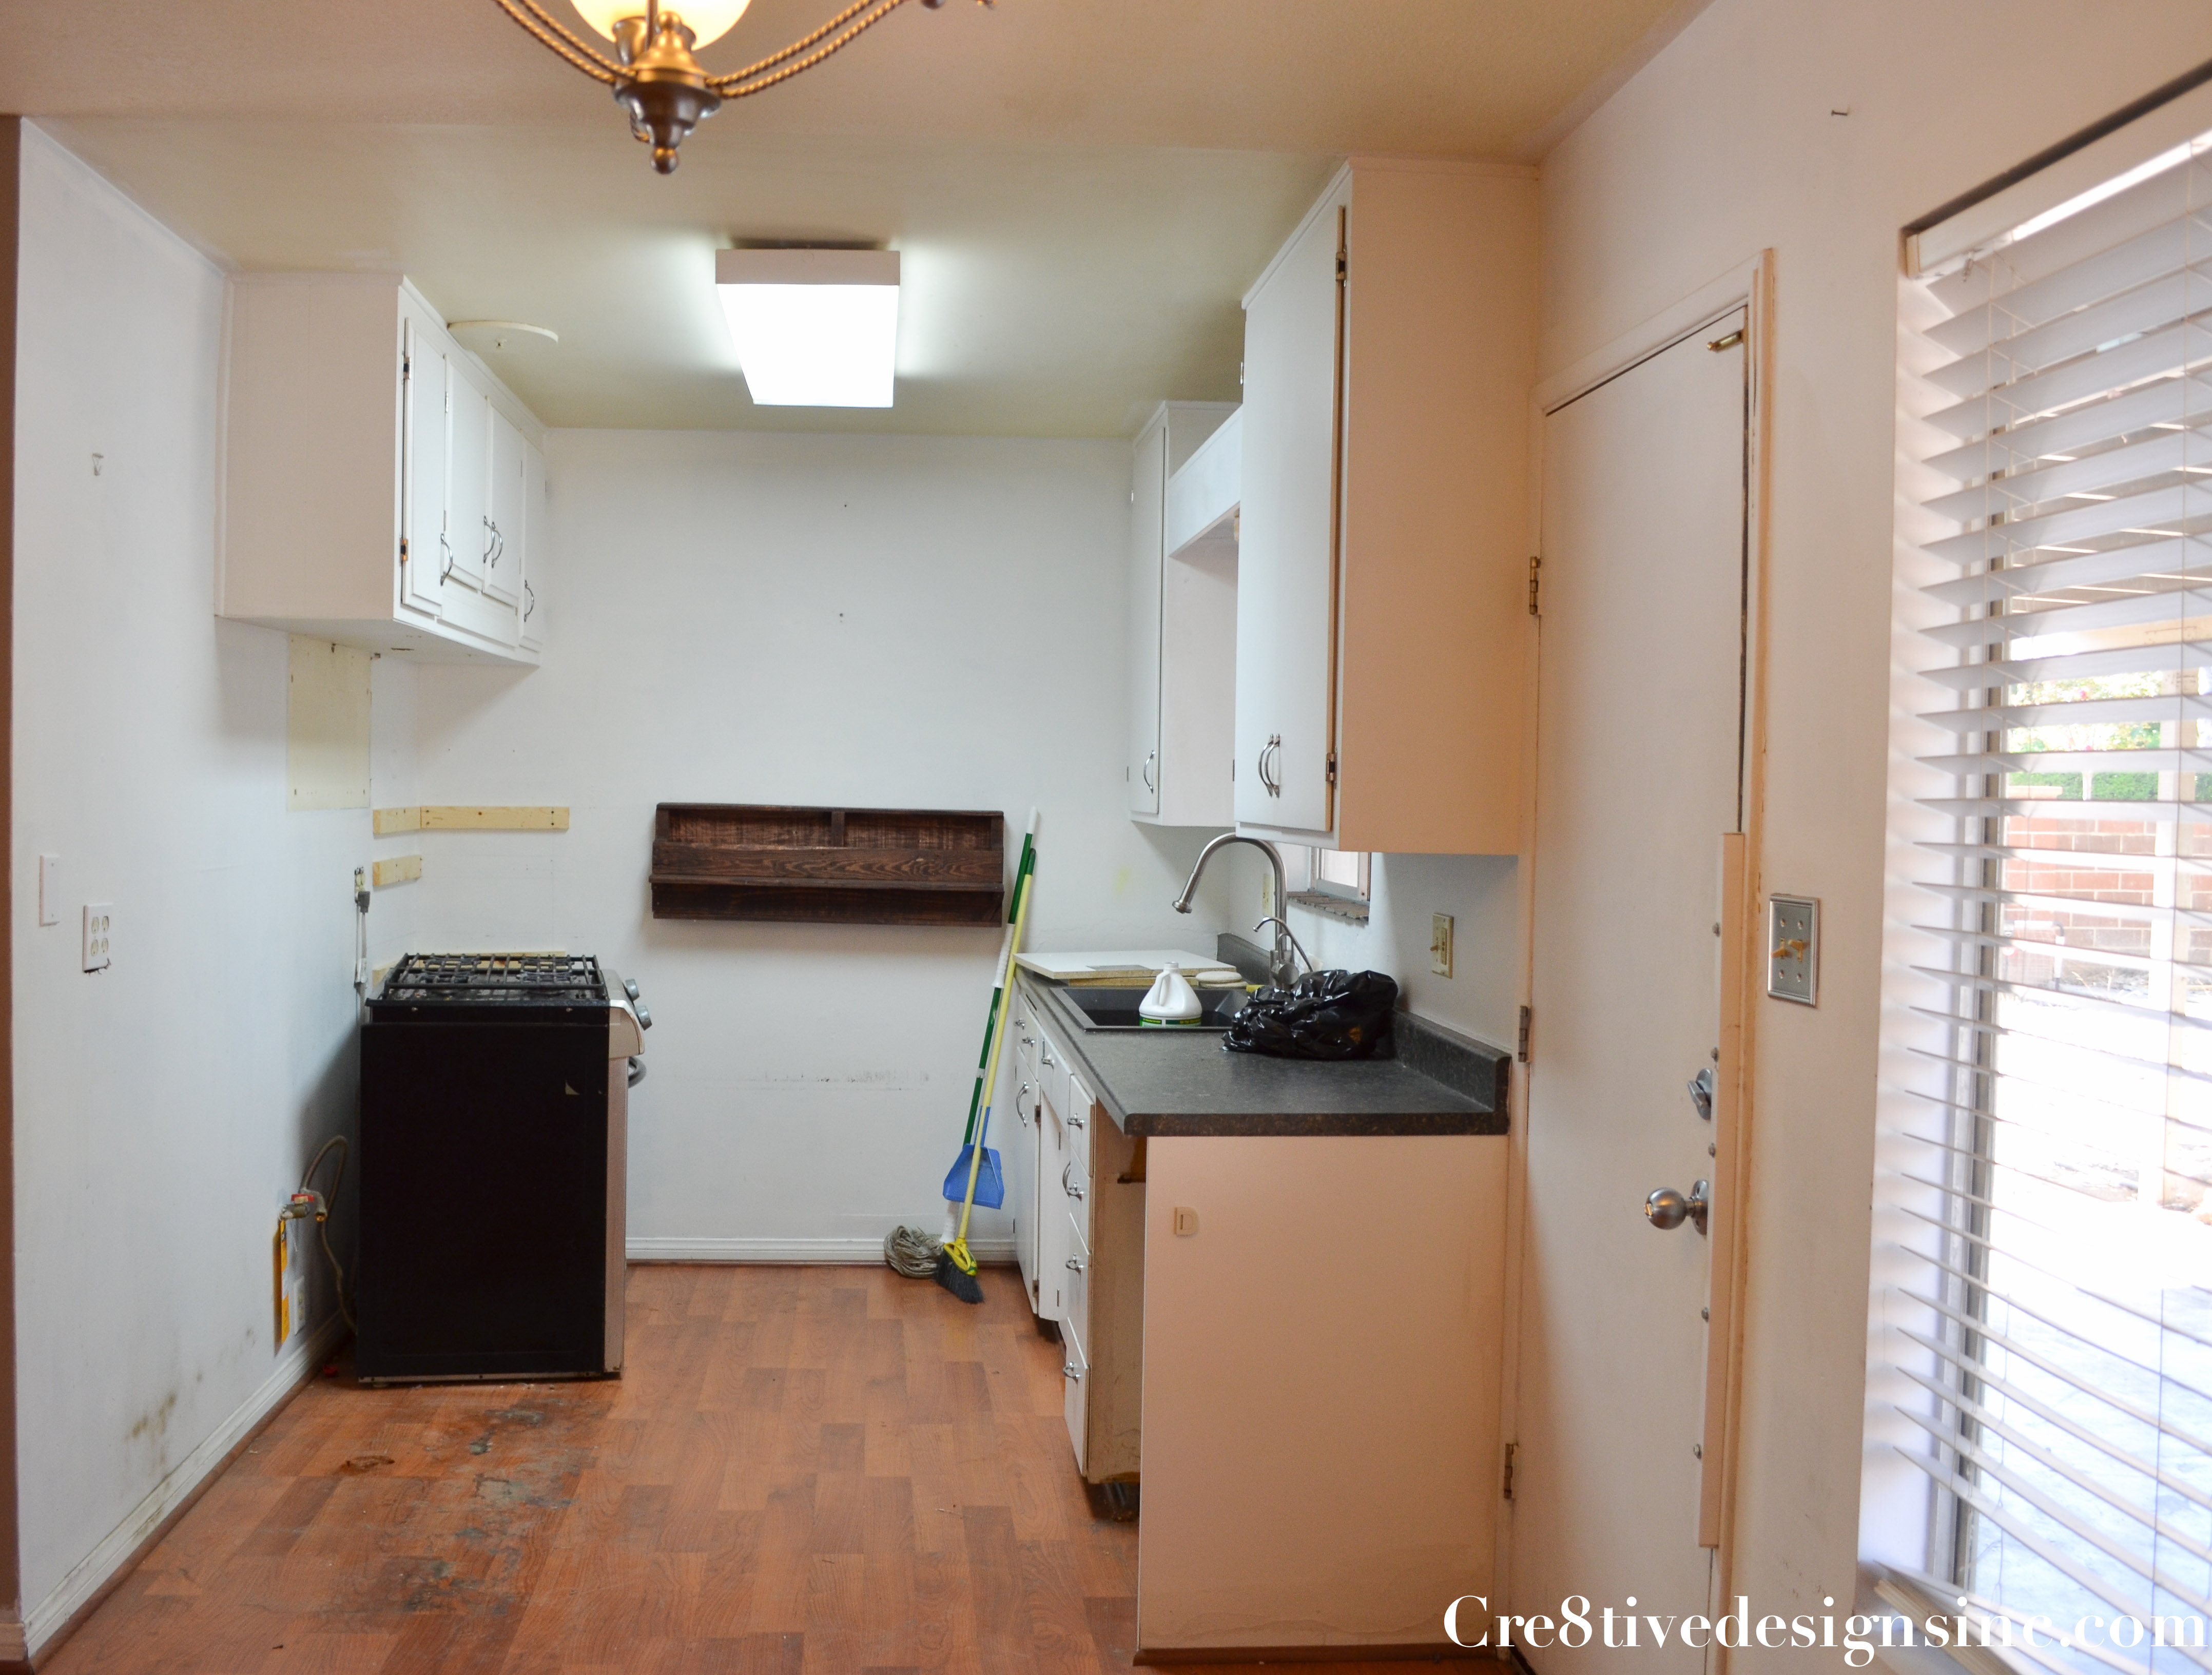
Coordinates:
(848, 866)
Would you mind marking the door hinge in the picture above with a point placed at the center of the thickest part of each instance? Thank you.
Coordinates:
(1511, 1449)
(1520, 1044)
(1535, 583)
(1332, 767)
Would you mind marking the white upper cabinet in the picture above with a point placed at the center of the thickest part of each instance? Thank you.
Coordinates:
(1182, 630)
(538, 551)
(1148, 488)
(506, 523)
(362, 494)
(424, 449)
(1382, 631)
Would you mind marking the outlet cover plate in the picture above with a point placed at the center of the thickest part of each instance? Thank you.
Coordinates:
(98, 928)
(1793, 949)
(1440, 944)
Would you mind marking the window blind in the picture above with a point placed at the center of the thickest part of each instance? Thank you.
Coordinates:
(2064, 1264)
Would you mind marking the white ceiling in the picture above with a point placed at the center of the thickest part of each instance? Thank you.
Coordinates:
(1081, 190)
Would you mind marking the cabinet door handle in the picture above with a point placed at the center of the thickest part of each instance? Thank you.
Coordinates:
(1146, 770)
(1019, 1113)
(1074, 1121)
(1066, 1185)
(1071, 1372)
(1075, 1263)
(529, 594)
(1271, 755)
(447, 568)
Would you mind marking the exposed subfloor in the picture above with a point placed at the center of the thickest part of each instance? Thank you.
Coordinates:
(802, 1472)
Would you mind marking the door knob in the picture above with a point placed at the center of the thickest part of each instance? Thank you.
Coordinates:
(1668, 1209)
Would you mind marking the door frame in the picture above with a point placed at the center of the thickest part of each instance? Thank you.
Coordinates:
(1747, 285)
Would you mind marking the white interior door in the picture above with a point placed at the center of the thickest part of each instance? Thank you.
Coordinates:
(1639, 772)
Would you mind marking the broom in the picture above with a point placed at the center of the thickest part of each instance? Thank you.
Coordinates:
(956, 1266)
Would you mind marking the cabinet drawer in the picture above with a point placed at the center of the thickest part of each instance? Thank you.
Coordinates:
(1075, 1384)
(1078, 1247)
(1052, 1070)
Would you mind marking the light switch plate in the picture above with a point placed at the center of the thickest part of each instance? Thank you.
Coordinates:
(1793, 949)
(1186, 1220)
(98, 926)
(50, 889)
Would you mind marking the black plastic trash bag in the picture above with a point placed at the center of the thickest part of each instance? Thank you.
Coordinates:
(1323, 1015)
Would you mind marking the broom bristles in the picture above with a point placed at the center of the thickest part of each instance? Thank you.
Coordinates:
(958, 1280)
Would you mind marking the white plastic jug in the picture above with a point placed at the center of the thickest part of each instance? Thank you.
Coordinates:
(1171, 1000)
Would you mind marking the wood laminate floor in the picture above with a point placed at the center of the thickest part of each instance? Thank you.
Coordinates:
(803, 1472)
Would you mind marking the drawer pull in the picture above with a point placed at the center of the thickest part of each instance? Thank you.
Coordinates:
(1074, 1121)
(1066, 1185)
(1070, 1371)
(1076, 1263)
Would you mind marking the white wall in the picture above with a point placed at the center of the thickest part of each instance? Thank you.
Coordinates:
(1482, 996)
(887, 622)
(1726, 143)
(165, 1107)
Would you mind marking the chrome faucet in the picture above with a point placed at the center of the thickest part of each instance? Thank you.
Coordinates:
(1282, 968)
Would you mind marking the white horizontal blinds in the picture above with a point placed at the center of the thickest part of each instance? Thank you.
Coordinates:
(2067, 1274)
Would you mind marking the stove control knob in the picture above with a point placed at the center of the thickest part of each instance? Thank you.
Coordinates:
(629, 987)
(644, 1018)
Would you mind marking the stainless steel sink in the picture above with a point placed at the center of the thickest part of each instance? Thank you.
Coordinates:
(1117, 1009)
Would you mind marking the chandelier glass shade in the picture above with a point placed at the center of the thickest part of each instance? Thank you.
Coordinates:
(655, 78)
(708, 20)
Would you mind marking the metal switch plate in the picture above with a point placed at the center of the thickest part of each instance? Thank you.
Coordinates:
(1793, 945)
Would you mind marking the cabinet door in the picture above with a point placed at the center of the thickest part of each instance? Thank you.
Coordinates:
(507, 517)
(1286, 584)
(422, 480)
(1147, 528)
(1053, 1165)
(536, 542)
(468, 508)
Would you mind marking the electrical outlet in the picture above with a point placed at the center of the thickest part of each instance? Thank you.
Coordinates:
(50, 889)
(1268, 902)
(99, 930)
(1440, 943)
(1793, 945)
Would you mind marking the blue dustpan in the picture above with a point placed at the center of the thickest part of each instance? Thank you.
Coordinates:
(990, 1184)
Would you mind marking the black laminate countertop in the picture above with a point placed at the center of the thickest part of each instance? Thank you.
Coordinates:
(1173, 1083)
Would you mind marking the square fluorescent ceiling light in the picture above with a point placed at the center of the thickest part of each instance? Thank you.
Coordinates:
(814, 328)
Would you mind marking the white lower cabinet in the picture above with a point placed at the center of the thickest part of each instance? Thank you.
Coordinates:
(381, 487)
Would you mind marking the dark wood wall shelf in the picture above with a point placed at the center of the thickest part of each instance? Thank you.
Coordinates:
(840, 866)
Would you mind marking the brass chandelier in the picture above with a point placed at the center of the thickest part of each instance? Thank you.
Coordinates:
(655, 78)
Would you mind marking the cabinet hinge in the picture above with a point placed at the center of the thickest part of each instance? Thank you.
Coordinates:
(1520, 1044)
(403, 550)
(1535, 584)
(1332, 767)
(1511, 1449)
(406, 366)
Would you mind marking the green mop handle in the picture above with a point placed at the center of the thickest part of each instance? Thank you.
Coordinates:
(994, 1022)
(1002, 1000)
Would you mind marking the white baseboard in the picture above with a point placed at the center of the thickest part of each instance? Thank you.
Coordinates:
(92, 1572)
(789, 1250)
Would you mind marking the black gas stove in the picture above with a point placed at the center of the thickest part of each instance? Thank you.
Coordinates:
(544, 988)
(494, 1117)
